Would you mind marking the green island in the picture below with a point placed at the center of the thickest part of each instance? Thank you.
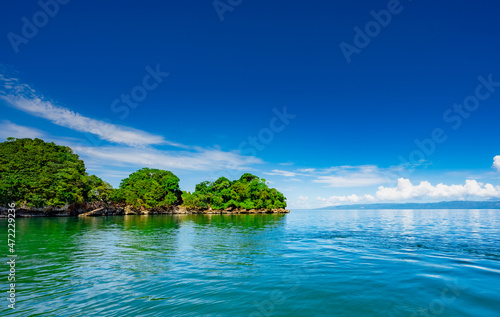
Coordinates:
(45, 179)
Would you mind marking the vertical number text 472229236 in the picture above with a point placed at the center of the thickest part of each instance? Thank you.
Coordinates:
(11, 243)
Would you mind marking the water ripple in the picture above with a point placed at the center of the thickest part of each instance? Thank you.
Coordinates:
(321, 263)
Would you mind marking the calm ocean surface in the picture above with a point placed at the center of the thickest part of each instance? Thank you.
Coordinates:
(306, 263)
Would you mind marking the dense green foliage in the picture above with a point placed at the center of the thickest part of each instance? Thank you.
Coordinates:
(41, 174)
(249, 192)
(99, 190)
(45, 174)
(151, 188)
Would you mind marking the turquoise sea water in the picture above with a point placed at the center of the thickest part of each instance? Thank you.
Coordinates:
(306, 263)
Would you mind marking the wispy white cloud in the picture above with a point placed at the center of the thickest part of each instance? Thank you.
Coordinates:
(342, 176)
(124, 156)
(496, 162)
(281, 173)
(406, 191)
(306, 170)
(351, 180)
(9, 129)
(133, 148)
(351, 199)
(21, 96)
(202, 160)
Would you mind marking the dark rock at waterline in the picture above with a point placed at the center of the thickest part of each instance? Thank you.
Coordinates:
(96, 210)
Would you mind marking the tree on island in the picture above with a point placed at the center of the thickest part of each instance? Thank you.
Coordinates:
(99, 190)
(151, 188)
(248, 192)
(42, 174)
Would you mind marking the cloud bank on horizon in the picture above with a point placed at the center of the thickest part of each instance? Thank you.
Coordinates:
(406, 191)
(342, 177)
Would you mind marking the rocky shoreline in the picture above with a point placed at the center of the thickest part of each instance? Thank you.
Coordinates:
(122, 210)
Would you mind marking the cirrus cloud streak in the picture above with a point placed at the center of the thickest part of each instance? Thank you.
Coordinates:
(22, 97)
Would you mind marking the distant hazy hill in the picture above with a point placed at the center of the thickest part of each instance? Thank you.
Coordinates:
(440, 205)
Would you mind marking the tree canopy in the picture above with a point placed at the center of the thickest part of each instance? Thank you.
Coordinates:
(248, 192)
(43, 174)
(151, 188)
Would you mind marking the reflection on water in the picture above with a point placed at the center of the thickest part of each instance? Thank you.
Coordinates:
(306, 263)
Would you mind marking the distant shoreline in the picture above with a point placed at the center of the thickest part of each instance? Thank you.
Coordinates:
(438, 205)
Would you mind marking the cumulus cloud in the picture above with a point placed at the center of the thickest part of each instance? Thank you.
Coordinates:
(496, 162)
(300, 202)
(9, 129)
(406, 191)
(21, 96)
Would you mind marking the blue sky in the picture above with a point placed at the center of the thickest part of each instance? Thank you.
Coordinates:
(335, 93)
